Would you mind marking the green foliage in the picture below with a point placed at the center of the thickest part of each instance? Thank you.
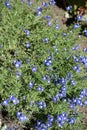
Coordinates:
(13, 41)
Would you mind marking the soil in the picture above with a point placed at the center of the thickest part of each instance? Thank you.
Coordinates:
(58, 13)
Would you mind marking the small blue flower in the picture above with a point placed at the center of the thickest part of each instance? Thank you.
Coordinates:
(5, 102)
(21, 117)
(76, 25)
(30, 85)
(43, 127)
(62, 81)
(71, 120)
(14, 100)
(44, 4)
(7, 4)
(85, 102)
(52, 2)
(34, 69)
(75, 47)
(68, 8)
(79, 17)
(85, 50)
(41, 105)
(44, 77)
(45, 40)
(49, 23)
(17, 63)
(85, 32)
(55, 99)
(83, 92)
(39, 123)
(39, 9)
(73, 82)
(79, 102)
(48, 124)
(40, 89)
(47, 17)
(72, 106)
(50, 118)
(76, 68)
(27, 45)
(27, 32)
(48, 62)
(18, 114)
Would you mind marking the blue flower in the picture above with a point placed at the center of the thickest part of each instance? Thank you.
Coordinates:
(52, 2)
(47, 17)
(17, 63)
(48, 124)
(75, 47)
(85, 102)
(73, 82)
(79, 17)
(45, 40)
(14, 100)
(27, 45)
(5, 102)
(38, 11)
(79, 102)
(61, 118)
(44, 78)
(71, 120)
(34, 69)
(43, 127)
(30, 85)
(55, 99)
(27, 32)
(48, 62)
(85, 50)
(76, 68)
(7, 4)
(44, 4)
(83, 92)
(40, 89)
(85, 32)
(50, 118)
(68, 8)
(49, 23)
(41, 105)
(21, 117)
(72, 106)
(76, 25)
(18, 114)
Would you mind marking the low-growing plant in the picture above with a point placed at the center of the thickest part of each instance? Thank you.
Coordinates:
(42, 79)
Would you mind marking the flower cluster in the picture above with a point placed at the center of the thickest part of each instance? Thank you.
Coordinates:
(12, 99)
(17, 63)
(21, 117)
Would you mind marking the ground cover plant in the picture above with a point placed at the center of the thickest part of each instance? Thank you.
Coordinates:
(42, 71)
